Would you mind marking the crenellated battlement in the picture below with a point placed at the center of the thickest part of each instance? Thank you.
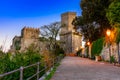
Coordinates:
(28, 36)
(29, 32)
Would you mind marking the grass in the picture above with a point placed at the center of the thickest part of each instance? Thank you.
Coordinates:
(49, 76)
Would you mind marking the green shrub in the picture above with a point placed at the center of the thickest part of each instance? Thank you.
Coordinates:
(112, 58)
(62, 55)
(11, 62)
(58, 50)
(79, 52)
(97, 47)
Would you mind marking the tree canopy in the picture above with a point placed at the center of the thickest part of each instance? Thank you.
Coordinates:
(95, 11)
(113, 13)
(90, 31)
(51, 32)
(94, 17)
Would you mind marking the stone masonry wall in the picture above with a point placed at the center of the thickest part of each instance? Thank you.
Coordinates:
(76, 42)
(114, 52)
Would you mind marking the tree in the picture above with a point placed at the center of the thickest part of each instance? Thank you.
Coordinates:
(1, 52)
(95, 11)
(89, 30)
(93, 22)
(113, 15)
(51, 32)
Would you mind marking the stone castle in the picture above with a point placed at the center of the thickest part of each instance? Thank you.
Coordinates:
(71, 39)
(28, 36)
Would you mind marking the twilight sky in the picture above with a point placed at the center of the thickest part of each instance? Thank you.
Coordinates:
(15, 14)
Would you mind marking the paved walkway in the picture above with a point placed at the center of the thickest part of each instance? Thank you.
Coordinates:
(76, 68)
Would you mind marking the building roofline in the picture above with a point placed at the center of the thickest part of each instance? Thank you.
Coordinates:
(68, 13)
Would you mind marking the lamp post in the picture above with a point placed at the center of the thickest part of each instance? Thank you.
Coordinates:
(89, 51)
(108, 32)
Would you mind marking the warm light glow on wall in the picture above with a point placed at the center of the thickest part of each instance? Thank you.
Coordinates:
(76, 49)
(81, 47)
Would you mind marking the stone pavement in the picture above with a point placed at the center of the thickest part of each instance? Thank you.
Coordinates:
(76, 68)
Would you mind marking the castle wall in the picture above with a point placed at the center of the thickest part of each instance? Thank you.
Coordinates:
(30, 33)
(114, 52)
(66, 19)
(25, 43)
(15, 43)
(28, 36)
(70, 19)
(76, 42)
(66, 45)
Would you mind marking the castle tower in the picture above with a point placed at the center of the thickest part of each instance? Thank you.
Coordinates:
(66, 19)
(30, 33)
(71, 39)
(28, 36)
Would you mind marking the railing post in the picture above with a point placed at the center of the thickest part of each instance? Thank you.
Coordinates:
(38, 70)
(21, 73)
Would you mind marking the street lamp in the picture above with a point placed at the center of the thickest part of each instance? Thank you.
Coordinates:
(88, 43)
(108, 32)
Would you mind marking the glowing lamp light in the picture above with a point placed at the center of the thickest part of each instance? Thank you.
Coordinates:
(88, 43)
(108, 32)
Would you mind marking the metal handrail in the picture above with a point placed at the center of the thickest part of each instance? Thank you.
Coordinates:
(5, 74)
(31, 65)
(21, 69)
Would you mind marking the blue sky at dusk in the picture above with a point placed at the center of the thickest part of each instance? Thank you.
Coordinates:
(15, 14)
